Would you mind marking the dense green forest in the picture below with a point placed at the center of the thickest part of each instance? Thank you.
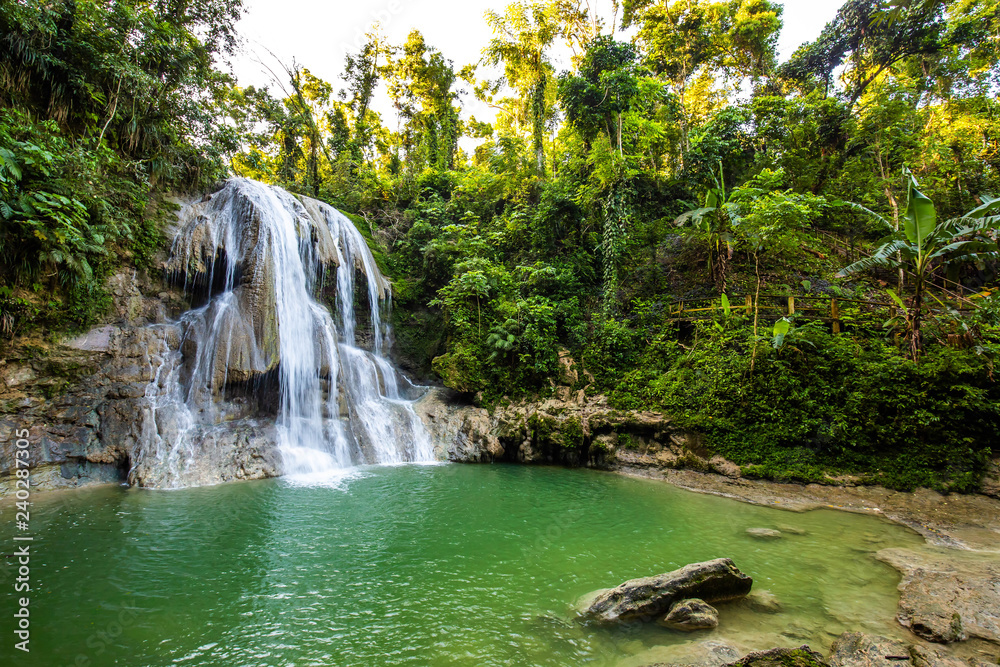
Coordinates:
(680, 165)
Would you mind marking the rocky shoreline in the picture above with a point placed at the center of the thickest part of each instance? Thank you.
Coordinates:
(950, 589)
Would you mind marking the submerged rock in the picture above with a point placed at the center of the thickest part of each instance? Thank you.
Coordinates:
(763, 601)
(854, 649)
(644, 599)
(690, 615)
(947, 598)
(695, 654)
(764, 533)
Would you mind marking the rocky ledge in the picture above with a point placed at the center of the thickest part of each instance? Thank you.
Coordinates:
(851, 649)
(947, 597)
(572, 429)
(82, 403)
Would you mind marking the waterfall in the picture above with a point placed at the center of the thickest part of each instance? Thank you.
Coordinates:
(263, 346)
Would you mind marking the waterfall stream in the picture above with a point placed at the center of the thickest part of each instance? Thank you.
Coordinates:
(263, 348)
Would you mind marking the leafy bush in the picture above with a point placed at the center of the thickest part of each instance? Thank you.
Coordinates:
(828, 405)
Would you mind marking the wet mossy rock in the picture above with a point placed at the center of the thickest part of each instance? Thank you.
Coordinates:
(549, 431)
(648, 598)
(691, 615)
(802, 656)
(456, 370)
(581, 430)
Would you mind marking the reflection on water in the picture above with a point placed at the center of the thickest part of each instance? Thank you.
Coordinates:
(425, 565)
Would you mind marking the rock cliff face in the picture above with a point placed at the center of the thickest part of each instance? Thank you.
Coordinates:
(571, 428)
(82, 401)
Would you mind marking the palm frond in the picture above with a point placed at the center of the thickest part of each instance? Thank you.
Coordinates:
(959, 250)
(694, 215)
(884, 257)
(989, 204)
(867, 211)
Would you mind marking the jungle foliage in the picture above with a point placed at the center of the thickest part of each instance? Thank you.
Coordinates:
(104, 106)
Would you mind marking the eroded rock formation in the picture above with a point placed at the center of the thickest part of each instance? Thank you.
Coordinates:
(648, 598)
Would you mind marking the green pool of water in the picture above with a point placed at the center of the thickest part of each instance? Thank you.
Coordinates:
(435, 565)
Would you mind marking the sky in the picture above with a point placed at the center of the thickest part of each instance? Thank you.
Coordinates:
(317, 35)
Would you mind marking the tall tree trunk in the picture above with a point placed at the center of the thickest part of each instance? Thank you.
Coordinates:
(314, 163)
(538, 124)
(756, 309)
(916, 319)
(619, 133)
(901, 278)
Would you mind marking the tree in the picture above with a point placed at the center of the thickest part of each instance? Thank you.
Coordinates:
(421, 83)
(867, 45)
(595, 101)
(523, 34)
(361, 74)
(604, 89)
(924, 241)
(690, 43)
(766, 217)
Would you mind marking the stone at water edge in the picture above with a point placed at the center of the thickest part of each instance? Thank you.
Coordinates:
(933, 656)
(690, 615)
(764, 533)
(947, 599)
(583, 602)
(802, 656)
(649, 597)
(854, 649)
(709, 653)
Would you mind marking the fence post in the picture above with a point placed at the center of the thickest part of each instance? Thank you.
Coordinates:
(791, 305)
(749, 304)
(835, 314)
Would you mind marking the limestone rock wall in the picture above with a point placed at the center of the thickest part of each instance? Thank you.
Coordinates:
(77, 400)
(80, 402)
(569, 429)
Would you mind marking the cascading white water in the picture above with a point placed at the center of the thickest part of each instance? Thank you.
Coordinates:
(261, 257)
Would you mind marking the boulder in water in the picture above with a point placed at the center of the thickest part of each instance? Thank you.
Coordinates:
(791, 530)
(710, 653)
(764, 602)
(689, 615)
(649, 597)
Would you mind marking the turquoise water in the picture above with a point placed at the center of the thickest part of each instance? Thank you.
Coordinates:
(421, 565)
